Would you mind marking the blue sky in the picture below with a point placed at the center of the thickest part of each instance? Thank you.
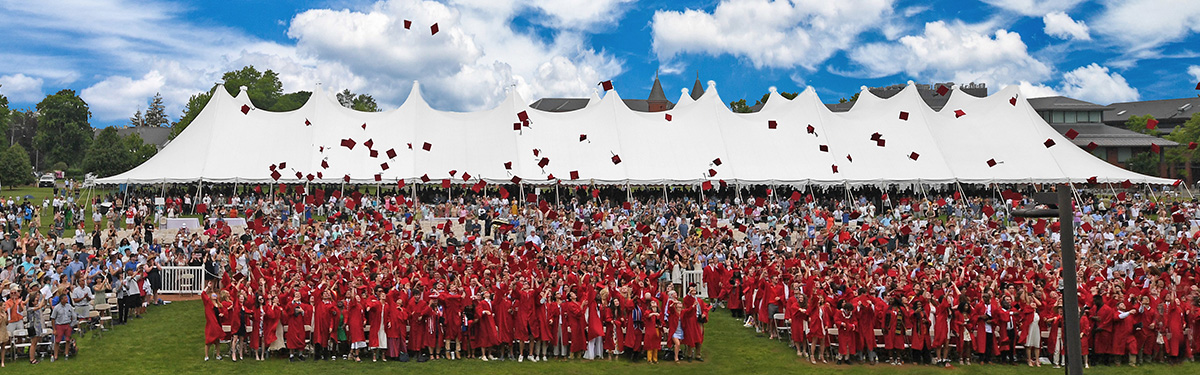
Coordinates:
(118, 53)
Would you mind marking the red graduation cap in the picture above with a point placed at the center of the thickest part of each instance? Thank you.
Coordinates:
(706, 185)
(849, 158)
(245, 109)
(795, 196)
(574, 175)
(1087, 227)
(1154, 148)
(427, 146)
(531, 198)
(607, 85)
(445, 183)
(1049, 143)
(407, 24)
(626, 205)
(466, 176)
(433, 29)
(370, 142)
(991, 162)
(1177, 182)
(453, 172)
(364, 127)
(811, 129)
(550, 177)
(325, 164)
(1151, 124)
(1091, 146)
(478, 186)
(346, 178)
(410, 146)
(425, 177)
(310, 176)
(544, 162)
(508, 165)
(616, 159)
(942, 90)
(959, 113)
(374, 153)
(299, 175)
(384, 166)
(712, 172)
(876, 136)
(1071, 134)
(275, 175)
(1121, 196)
(516, 126)
(320, 175)
(537, 152)
(282, 165)
(1197, 86)
(272, 167)
(904, 115)
(772, 124)
(400, 184)
(1092, 180)
(391, 153)
(307, 123)
(722, 182)
(914, 155)
(880, 142)
(516, 180)
(582, 137)
(378, 177)
(523, 116)
(348, 143)
(823, 148)
(1192, 145)
(1126, 184)
(835, 168)
(717, 162)
(1013, 101)
(668, 117)
(503, 193)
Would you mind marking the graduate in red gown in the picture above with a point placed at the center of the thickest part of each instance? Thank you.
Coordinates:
(847, 325)
(376, 340)
(652, 337)
(486, 319)
(295, 319)
(212, 324)
(395, 325)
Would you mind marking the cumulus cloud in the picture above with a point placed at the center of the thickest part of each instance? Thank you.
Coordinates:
(957, 52)
(581, 14)
(21, 88)
(1060, 25)
(1147, 24)
(1095, 84)
(1034, 7)
(801, 33)
(1194, 70)
(1032, 90)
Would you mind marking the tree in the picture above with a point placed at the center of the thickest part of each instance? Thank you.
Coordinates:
(22, 127)
(156, 114)
(193, 107)
(1143, 162)
(852, 98)
(5, 115)
(137, 119)
(1138, 124)
(740, 106)
(14, 166)
(139, 151)
(291, 101)
(1184, 135)
(108, 154)
(263, 88)
(63, 127)
(358, 102)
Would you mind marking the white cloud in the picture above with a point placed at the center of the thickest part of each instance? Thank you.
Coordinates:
(1147, 24)
(20, 88)
(1034, 7)
(957, 52)
(1095, 84)
(1031, 90)
(1194, 70)
(768, 33)
(1060, 25)
(582, 14)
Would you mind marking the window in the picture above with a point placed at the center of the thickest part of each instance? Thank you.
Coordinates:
(1100, 152)
(1056, 117)
(1123, 154)
(1094, 116)
(1069, 117)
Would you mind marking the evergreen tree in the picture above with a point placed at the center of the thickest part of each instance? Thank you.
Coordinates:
(108, 154)
(156, 114)
(137, 119)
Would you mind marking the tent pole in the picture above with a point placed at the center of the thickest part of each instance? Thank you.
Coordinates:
(1152, 195)
(557, 201)
(1189, 190)
(701, 196)
(522, 199)
(199, 193)
(665, 193)
(628, 193)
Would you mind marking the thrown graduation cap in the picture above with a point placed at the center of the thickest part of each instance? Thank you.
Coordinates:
(445, 183)
(299, 175)
(370, 142)
(880, 142)
(453, 172)
(1087, 227)
(378, 177)
(543, 162)
(835, 168)
(1071, 134)
(245, 109)
(433, 29)
(876, 136)
(1151, 124)
(1154, 148)
(717, 162)
(275, 175)
(772, 124)
(384, 166)
(712, 172)
(523, 116)
(851, 159)
(346, 178)
(536, 152)
(391, 153)
(1049, 143)
(427, 146)
(1092, 180)
(991, 162)
(582, 137)
(320, 175)
(914, 155)
(310, 176)
(374, 153)
(364, 127)
(282, 165)
(307, 123)
(516, 180)
(1013, 101)
(325, 164)
(1192, 145)
(272, 167)
(574, 175)
(1126, 184)
(508, 165)
(942, 90)
(959, 113)
(812, 130)
(1198, 86)
(425, 177)
(607, 85)
(466, 176)
(516, 126)
(478, 186)
(616, 159)
(824, 148)
(1091, 146)
(400, 184)
(904, 115)
(407, 24)
(706, 185)
(348, 143)
(668, 117)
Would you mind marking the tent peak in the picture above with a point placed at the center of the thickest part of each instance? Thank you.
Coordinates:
(773, 90)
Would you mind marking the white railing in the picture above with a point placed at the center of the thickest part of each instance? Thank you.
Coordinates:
(182, 280)
(695, 277)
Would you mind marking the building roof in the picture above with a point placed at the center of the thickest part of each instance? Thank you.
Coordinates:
(656, 91)
(697, 88)
(1109, 136)
(154, 135)
(927, 92)
(1166, 111)
(1062, 103)
(559, 104)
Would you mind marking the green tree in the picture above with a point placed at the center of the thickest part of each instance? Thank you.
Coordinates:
(1138, 124)
(156, 114)
(263, 88)
(14, 167)
(63, 127)
(852, 98)
(139, 151)
(193, 107)
(22, 127)
(108, 154)
(137, 119)
(5, 115)
(358, 102)
(291, 101)
(1144, 162)
(1184, 135)
(739, 106)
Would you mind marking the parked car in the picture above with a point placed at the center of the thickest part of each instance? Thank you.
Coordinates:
(47, 180)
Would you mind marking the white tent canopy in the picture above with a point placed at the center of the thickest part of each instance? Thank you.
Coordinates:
(226, 144)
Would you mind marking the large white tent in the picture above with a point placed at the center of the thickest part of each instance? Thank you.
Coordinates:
(997, 139)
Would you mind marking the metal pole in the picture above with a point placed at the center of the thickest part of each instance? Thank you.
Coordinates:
(1066, 219)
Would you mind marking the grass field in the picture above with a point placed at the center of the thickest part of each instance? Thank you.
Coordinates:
(168, 341)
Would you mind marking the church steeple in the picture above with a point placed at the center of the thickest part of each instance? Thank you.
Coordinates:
(698, 88)
(657, 101)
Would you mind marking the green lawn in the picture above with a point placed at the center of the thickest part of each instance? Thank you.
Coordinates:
(169, 340)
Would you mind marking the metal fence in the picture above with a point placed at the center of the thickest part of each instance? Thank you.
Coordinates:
(182, 280)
